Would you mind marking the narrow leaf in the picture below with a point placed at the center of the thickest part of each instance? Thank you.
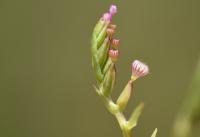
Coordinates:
(97, 69)
(98, 27)
(107, 65)
(94, 44)
(135, 116)
(103, 52)
(97, 90)
(102, 35)
(107, 84)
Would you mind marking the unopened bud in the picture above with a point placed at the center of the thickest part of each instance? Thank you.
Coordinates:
(115, 43)
(110, 32)
(106, 17)
(139, 69)
(113, 54)
(112, 26)
(113, 10)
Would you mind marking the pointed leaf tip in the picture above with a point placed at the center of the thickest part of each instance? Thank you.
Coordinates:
(154, 133)
(135, 116)
(97, 90)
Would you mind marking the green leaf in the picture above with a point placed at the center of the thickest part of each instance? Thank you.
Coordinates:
(107, 65)
(194, 98)
(97, 90)
(98, 35)
(191, 107)
(102, 35)
(103, 52)
(97, 68)
(98, 27)
(107, 84)
(135, 116)
(154, 133)
(93, 44)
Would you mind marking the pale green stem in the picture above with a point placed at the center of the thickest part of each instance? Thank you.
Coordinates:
(113, 109)
(122, 122)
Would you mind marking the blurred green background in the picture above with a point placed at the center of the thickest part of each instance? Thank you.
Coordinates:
(45, 65)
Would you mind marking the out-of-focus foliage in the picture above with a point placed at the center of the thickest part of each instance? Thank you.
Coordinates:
(189, 115)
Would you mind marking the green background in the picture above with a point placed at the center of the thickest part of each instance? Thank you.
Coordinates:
(45, 65)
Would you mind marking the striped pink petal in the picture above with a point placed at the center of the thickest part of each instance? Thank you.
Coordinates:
(139, 69)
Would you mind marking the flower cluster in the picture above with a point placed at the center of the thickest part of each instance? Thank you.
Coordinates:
(105, 53)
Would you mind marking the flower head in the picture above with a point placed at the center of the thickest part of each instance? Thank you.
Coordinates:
(139, 69)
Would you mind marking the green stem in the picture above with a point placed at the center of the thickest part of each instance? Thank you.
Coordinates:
(110, 105)
(121, 119)
(126, 134)
(122, 122)
(114, 109)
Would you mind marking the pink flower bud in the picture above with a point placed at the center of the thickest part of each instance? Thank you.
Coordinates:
(139, 69)
(113, 10)
(113, 54)
(106, 17)
(112, 26)
(110, 32)
(115, 43)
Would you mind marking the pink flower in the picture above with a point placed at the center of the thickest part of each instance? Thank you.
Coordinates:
(113, 10)
(106, 17)
(139, 69)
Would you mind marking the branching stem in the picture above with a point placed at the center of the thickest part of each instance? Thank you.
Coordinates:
(113, 109)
